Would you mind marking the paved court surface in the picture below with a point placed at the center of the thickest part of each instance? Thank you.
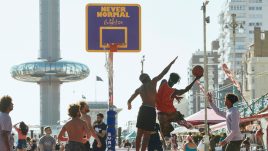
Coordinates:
(124, 149)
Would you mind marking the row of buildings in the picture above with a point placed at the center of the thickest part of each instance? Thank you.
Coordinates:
(245, 53)
(242, 45)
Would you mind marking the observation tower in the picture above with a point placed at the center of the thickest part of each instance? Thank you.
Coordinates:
(50, 71)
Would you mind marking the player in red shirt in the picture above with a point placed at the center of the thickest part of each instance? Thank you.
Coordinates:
(167, 113)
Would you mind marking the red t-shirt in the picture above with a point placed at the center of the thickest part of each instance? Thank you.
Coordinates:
(164, 102)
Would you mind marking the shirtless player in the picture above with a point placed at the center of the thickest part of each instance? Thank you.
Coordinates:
(84, 109)
(147, 114)
(76, 129)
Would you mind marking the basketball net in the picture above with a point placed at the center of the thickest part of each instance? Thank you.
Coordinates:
(113, 47)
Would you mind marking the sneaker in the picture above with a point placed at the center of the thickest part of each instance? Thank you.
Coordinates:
(185, 124)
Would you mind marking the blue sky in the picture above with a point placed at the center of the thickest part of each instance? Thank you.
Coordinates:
(169, 28)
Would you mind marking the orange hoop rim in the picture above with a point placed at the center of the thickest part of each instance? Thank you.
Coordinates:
(113, 47)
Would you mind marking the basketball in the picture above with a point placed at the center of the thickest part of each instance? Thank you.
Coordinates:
(198, 71)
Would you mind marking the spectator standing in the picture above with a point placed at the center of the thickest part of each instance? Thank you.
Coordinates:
(28, 144)
(190, 145)
(57, 147)
(84, 109)
(246, 143)
(6, 139)
(127, 144)
(174, 142)
(22, 135)
(259, 140)
(155, 142)
(34, 145)
(35, 138)
(133, 144)
(212, 143)
(77, 130)
(47, 142)
(100, 129)
(223, 136)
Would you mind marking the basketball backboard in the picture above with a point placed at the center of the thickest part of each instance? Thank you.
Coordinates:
(113, 24)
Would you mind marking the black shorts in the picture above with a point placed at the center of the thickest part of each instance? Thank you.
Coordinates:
(96, 148)
(87, 146)
(146, 118)
(74, 146)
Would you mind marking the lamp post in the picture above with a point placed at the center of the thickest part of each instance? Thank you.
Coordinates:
(205, 21)
(233, 25)
(142, 63)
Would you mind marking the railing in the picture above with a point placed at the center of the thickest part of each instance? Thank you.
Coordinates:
(257, 106)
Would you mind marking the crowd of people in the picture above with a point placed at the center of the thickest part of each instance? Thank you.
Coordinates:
(79, 129)
(161, 100)
(150, 135)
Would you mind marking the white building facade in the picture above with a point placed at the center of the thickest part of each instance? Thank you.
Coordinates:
(195, 95)
(249, 14)
(255, 65)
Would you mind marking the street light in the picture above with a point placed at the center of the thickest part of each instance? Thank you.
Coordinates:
(142, 63)
(205, 21)
(233, 25)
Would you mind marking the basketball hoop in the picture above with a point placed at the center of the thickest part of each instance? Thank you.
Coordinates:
(113, 47)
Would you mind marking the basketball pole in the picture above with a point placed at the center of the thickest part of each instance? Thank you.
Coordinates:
(111, 114)
(110, 75)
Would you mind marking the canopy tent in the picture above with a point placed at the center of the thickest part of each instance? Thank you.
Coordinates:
(218, 126)
(242, 120)
(199, 117)
(180, 130)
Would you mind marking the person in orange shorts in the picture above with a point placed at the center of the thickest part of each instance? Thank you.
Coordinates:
(167, 113)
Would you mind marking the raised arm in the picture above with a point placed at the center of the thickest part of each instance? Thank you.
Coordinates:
(161, 75)
(182, 91)
(15, 126)
(133, 96)
(216, 109)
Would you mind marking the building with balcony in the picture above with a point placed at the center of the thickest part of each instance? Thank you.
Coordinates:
(255, 71)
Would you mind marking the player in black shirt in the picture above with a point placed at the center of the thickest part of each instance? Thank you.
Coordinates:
(100, 129)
